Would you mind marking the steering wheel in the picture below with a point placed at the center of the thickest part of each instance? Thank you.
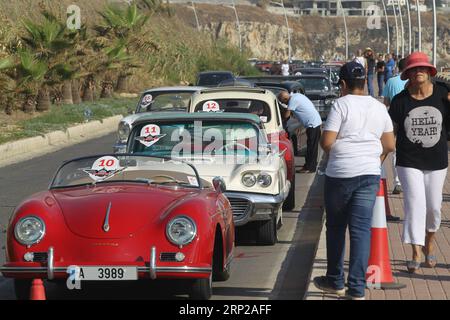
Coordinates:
(233, 144)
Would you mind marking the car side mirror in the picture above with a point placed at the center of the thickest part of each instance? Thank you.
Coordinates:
(219, 185)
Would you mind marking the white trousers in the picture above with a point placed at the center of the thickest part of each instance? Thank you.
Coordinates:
(422, 201)
(394, 170)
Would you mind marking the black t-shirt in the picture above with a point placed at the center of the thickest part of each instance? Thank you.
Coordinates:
(380, 64)
(422, 134)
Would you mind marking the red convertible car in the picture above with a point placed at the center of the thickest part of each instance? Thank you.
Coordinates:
(123, 217)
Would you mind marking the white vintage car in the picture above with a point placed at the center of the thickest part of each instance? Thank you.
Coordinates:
(230, 145)
(154, 100)
(257, 101)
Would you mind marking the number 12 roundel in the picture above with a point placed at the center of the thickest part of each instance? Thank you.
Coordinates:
(211, 106)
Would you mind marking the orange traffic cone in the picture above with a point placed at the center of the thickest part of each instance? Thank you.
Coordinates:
(37, 291)
(379, 273)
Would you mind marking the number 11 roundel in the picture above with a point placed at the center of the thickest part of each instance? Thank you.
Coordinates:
(150, 134)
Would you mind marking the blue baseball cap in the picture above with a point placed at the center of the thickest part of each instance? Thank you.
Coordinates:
(352, 70)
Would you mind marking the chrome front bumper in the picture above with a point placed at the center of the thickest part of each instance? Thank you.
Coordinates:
(258, 206)
(152, 269)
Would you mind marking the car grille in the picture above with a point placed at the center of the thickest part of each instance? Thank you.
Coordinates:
(240, 207)
(40, 257)
(167, 256)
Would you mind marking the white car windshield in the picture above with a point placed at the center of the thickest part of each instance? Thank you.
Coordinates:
(164, 101)
(257, 107)
(208, 138)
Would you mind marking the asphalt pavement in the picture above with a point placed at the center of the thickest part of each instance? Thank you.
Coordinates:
(258, 272)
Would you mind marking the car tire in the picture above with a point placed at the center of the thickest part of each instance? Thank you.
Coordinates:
(289, 203)
(22, 289)
(222, 275)
(267, 232)
(201, 289)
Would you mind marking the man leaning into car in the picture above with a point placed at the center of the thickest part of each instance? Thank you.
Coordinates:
(305, 112)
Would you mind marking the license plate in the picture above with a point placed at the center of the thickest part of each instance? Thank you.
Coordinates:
(106, 273)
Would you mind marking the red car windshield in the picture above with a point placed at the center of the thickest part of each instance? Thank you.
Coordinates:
(125, 168)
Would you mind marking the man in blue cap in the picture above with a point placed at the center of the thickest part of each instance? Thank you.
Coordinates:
(357, 137)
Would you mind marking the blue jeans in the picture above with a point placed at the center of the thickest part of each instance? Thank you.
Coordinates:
(380, 78)
(349, 202)
(370, 84)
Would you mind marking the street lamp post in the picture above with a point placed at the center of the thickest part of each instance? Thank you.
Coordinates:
(402, 28)
(419, 24)
(195, 13)
(281, 4)
(396, 29)
(434, 33)
(346, 31)
(409, 26)
(233, 6)
(387, 26)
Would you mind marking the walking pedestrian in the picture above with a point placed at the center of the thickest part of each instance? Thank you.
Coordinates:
(358, 135)
(380, 74)
(361, 59)
(370, 59)
(285, 68)
(420, 112)
(305, 112)
(394, 86)
(389, 68)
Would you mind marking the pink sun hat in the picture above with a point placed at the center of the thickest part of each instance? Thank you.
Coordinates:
(417, 59)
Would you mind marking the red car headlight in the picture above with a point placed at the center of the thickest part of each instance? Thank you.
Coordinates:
(181, 230)
(29, 230)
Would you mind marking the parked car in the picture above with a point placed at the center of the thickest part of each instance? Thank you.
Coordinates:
(167, 99)
(320, 90)
(212, 78)
(304, 70)
(230, 145)
(237, 82)
(122, 217)
(332, 72)
(252, 100)
(277, 87)
(264, 66)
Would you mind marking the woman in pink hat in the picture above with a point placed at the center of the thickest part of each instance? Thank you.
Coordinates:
(420, 112)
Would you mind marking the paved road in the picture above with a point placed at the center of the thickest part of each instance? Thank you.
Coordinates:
(258, 272)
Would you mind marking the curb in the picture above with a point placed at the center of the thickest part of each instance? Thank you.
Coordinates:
(25, 149)
(319, 266)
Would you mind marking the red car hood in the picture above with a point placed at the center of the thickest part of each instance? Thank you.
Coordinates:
(131, 208)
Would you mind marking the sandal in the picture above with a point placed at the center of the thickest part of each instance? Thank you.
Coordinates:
(413, 266)
(430, 259)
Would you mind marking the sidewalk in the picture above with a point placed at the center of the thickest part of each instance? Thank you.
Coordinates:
(427, 284)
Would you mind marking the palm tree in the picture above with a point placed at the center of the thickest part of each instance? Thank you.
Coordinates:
(125, 25)
(6, 84)
(28, 74)
(49, 43)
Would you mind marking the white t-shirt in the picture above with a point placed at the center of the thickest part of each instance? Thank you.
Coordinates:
(361, 60)
(285, 69)
(360, 121)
